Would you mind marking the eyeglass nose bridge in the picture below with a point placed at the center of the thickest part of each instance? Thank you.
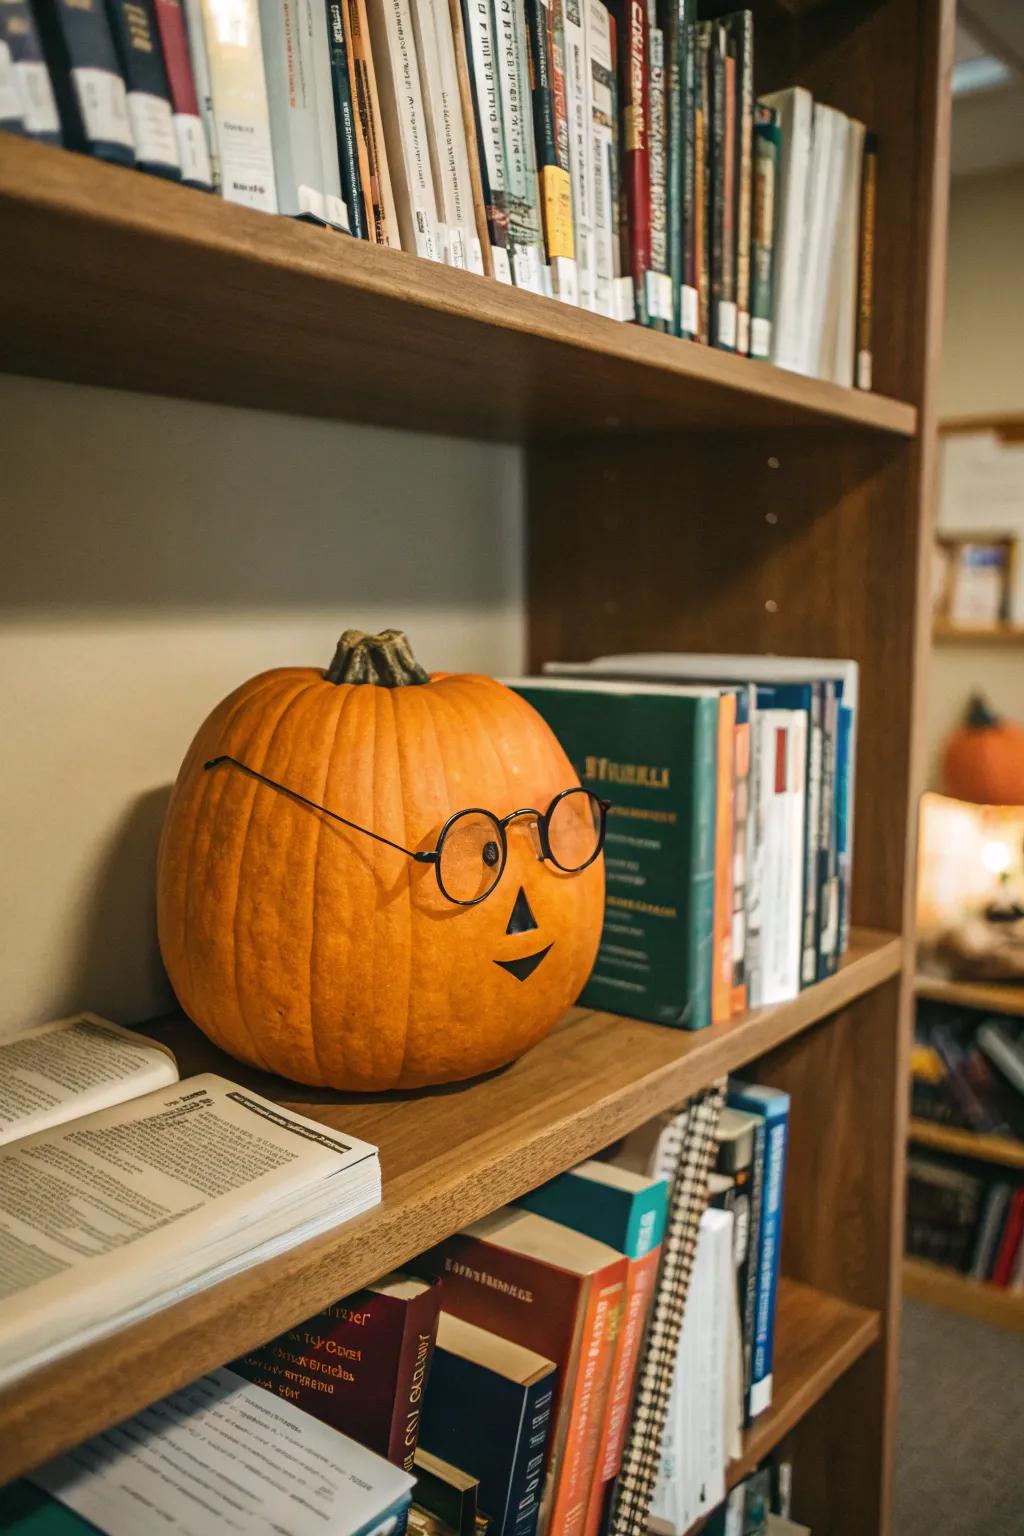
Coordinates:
(537, 827)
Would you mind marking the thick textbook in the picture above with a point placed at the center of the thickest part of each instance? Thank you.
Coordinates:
(361, 1364)
(772, 1105)
(218, 1456)
(86, 77)
(488, 1410)
(33, 102)
(234, 52)
(287, 28)
(171, 1192)
(652, 751)
(193, 151)
(134, 29)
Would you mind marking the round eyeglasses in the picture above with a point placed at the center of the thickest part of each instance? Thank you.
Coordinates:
(472, 847)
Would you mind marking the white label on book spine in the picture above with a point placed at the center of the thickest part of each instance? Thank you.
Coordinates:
(725, 329)
(103, 103)
(311, 202)
(192, 152)
(38, 107)
(760, 337)
(863, 370)
(476, 256)
(760, 1396)
(658, 287)
(742, 332)
(564, 280)
(153, 129)
(337, 211)
(690, 310)
(247, 162)
(623, 299)
(499, 261)
(10, 105)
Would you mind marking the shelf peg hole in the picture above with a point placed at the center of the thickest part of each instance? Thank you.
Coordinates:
(771, 606)
(771, 517)
(773, 462)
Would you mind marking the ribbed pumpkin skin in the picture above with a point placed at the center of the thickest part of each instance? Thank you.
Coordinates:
(985, 764)
(313, 951)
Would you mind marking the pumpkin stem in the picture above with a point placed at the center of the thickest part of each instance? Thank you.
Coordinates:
(980, 717)
(385, 659)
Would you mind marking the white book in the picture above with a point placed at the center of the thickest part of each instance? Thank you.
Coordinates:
(334, 203)
(525, 234)
(841, 312)
(124, 1198)
(719, 666)
(446, 133)
(578, 108)
(10, 104)
(602, 116)
(782, 787)
(716, 1363)
(201, 77)
(824, 189)
(291, 100)
(480, 56)
(393, 40)
(234, 48)
(796, 111)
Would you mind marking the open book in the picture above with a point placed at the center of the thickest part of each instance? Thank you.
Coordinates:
(123, 1190)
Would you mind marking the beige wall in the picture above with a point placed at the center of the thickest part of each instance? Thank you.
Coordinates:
(982, 374)
(154, 554)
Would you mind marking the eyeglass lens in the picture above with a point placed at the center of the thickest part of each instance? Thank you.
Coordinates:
(472, 856)
(574, 830)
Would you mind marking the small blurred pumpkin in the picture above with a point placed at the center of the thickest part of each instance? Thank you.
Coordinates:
(315, 947)
(983, 760)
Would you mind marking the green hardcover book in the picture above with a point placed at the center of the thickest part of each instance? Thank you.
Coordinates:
(767, 144)
(652, 752)
(28, 1511)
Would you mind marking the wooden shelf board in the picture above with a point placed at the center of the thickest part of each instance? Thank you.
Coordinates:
(942, 1287)
(117, 278)
(963, 1143)
(990, 996)
(448, 1156)
(958, 634)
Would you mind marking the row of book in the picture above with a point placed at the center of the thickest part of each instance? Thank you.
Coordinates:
(497, 1376)
(968, 1217)
(614, 156)
(728, 850)
(968, 1070)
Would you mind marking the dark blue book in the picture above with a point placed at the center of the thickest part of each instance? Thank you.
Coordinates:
(139, 52)
(488, 1411)
(33, 102)
(345, 121)
(86, 77)
(772, 1105)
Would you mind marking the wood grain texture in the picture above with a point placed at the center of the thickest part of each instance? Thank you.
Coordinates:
(448, 1156)
(112, 277)
(987, 996)
(945, 633)
(940, 1287)
(1003, 1150)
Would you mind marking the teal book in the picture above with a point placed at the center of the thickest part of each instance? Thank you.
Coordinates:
(625, 1210)
(652, 752)
(28, 1511)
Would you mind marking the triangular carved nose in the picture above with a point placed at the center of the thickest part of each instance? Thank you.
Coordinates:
(522, 919)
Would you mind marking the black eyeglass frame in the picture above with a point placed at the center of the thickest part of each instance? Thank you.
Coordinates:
(433, 855)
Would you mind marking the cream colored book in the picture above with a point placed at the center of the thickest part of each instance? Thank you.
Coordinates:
(234, 50)
(393, 40)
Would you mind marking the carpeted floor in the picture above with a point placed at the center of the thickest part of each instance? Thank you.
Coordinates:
(960, 1461)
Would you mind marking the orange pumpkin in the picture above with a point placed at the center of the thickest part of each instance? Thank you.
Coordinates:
(984, 759)
(307, 948)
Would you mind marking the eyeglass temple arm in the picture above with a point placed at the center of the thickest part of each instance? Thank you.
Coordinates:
(428, 857)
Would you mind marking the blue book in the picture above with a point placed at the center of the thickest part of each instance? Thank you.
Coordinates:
(626, 1210)
(772, 1105)
(487, 1410)
(86, 77)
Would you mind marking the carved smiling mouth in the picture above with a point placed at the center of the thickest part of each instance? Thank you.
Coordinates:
(524, 967)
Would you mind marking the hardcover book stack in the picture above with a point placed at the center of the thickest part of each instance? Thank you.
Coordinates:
(614, 156)
(728, 852)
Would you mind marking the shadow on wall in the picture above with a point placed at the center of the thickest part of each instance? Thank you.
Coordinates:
(116, 968)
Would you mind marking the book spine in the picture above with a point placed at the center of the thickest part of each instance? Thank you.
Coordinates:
(33, 102)
(659, 293)
(828, 871)
(319, 46)
(700, 935)
(561, 234)
(10, 106)
(542, 95)
(234, 46)
(375, 172)
(188, 125)
(597, 23)
(844, 808)
(812, 837)
(636, 150)
(437, 132)
(481, 245)
(481, 52)
(866, 273)
(345, 121)
(767, 1257)
(749, 1269)
(723, 254)
(1002, 1272)
(526, 1482)
(740, 862)
(703, 132)
(765, 176)
(393, 41)
(525, 235)
(418, 1335)
(577, 82)
(136, 40)
(741, 28)
(689, 317)
(721, 989)
(579, 1452)
(295, 137)
(86, 78)
(986, 1243)
(200, 61)
(461, 199)
(668, 14)
(639, 1295)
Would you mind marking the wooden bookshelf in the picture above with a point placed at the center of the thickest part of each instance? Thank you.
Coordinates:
(942, 1287)
(123, 279)
(1004, 1150)
(987, 996)
(447, 1157)
(944, 633)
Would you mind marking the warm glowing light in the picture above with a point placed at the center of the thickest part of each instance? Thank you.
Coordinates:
(995, 856)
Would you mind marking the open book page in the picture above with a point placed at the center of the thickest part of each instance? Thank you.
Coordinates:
(223, 1456)
(56, 1072)
(109, 1217)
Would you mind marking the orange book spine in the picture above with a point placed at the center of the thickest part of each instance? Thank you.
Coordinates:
(721, 980)
(578, 1470)
(740, 866)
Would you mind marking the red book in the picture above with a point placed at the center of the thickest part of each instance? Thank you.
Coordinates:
(722, 978)
(189, 131)
(555, 1291)
(636, 166)
(1012, 1234)
(361, 1365)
